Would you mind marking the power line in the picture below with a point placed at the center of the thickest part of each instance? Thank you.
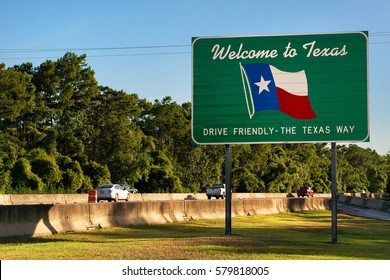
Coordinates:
(146, 47)
(101, 49)
(379, 43)
(385, 33)
(92, 49)
(103, 55)
(374, 34)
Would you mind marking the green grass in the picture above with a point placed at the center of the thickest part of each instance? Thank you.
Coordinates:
(285, 236)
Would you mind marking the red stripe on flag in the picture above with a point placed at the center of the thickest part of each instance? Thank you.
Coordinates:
(295, 106)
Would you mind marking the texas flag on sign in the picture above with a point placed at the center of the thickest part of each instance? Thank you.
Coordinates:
(268, 88)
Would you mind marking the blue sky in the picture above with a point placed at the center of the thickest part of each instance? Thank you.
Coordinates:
(144, 47)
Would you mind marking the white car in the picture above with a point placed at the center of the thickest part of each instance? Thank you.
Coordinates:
(217, 190)
(112, 192)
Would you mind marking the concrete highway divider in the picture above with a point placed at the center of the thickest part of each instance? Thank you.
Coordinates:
(264, 206)
(377, 204)
(357, 201)
(364, 202)
(22, 219)
(136, 213)
(5, 199)
(342, 198)
(13, 199)
(368, 202)
(205, 209)
(42, 219)
(19, 216)
(46, 219)
(37, 198)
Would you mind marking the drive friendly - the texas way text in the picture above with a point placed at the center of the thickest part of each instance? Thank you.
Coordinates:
(292, 130)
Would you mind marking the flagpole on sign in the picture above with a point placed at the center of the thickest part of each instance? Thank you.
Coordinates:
(228, 200)
(248, 95)
(334, 192)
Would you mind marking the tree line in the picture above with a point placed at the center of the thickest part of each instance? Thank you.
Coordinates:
(62, 132)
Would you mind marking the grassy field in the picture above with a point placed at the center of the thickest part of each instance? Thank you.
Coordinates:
(285, 236)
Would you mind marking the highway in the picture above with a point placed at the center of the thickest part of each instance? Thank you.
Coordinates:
(363, 212)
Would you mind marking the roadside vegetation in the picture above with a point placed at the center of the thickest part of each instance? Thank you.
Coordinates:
(284, 236)
(62, 132)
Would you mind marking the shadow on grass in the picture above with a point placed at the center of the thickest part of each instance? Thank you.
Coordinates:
(292, 236)
(17, 240)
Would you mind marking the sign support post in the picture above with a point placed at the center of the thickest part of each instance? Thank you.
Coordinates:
(334, 192)
(228, 200)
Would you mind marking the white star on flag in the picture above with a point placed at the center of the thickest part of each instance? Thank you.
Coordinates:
(262, 84)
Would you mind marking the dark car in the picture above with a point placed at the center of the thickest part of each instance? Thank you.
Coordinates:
(305, 191)
(130, 190)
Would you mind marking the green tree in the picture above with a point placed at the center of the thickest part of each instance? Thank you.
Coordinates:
(97, 174)
(349, 179)
(72, 134)
(8, 157)
(116, 141)
(5, 178)
(386, 167)
(9, 150)
(67, 83)
(248, 166)
(201, 166)
(65, 88)
(23, 179)
(277, 177)
(364, 170)
(16, 101)
(377, 179)
(72, 178)
(162, 177)
(16, 93)
(46, 167)
(310, 165)
(169, 123)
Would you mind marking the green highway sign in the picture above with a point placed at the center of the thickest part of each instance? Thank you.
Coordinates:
(280, 88)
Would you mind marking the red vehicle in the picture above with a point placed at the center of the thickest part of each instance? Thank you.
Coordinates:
(305, 191)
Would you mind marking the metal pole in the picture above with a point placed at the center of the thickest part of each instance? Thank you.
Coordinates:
(334, 192)
(228, 200)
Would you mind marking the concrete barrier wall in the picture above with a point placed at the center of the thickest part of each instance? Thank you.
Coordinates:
(5, 199)
(357, 201)
(136, 213)
(75, 198)
(46, 219)
(13, 199)
(360, 201)
(342, 198)
(376, 204)
(21, 219)
(164, 196)
(37, 198)
(258, 195)
(42, 219)
(136, 197)
(205, 209)
(263, 206)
